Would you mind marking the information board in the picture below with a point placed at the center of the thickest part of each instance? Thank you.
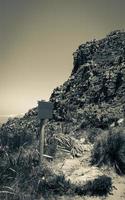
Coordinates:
(45, 110)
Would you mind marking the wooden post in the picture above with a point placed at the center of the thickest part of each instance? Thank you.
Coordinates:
(42, 140)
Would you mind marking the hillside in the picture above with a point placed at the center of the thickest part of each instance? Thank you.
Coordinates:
(94, 94)
(90, 102)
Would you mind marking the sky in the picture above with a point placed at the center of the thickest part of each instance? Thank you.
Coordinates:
(37, 40)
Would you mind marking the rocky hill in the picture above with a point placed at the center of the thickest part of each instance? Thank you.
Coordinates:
(94, 94)
(92, 98)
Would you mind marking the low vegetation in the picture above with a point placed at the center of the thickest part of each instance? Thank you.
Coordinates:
(22, 178)
(101, 186)
(109, 149)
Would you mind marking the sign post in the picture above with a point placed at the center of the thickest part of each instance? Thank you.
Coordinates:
(44, 113)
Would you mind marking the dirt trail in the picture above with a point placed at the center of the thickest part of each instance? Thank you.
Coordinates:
(79, 170)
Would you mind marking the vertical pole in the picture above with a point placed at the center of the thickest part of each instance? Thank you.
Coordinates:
(41, 140)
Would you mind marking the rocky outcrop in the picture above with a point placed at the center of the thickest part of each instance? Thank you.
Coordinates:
(94, 94)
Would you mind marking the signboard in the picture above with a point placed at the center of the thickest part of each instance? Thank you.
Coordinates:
(45, 110)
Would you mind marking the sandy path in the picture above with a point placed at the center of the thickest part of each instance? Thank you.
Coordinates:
(74, 168)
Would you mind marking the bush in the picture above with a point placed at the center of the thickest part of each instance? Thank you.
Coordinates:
(54, 184)
(100, 186)
(109, 149)
(57, 184)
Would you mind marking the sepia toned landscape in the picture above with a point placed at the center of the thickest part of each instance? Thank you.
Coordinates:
(84, 140)
(62, 100)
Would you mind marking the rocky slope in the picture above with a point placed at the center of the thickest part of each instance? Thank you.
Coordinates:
(94, 94)
(92, 97)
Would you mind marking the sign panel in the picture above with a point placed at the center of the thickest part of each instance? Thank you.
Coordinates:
(45, 110)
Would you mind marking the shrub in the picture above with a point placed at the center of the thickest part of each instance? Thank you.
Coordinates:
(109, 148)
(100, 186)
(54, 184)
(57, 184)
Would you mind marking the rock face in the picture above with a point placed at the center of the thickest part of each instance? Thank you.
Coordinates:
(93, 96)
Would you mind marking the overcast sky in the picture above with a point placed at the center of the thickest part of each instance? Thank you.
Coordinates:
(37, 39)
